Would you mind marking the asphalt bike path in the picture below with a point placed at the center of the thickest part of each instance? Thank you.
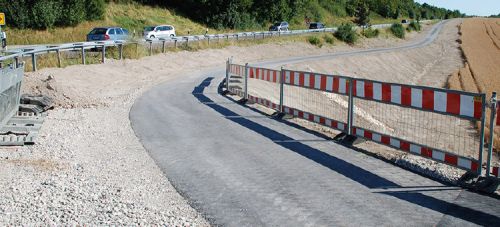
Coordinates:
(239, 167)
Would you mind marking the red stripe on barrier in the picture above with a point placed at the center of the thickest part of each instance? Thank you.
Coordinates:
(453, 103)
(275, 76)
(292, 78)
(451, 159)
(312, 80)
(495, 171)
(323, 83)
(335, 87)
(386, 92)
(354, 88)
(252, 73)
(301, 114)
(478, 108)
(386, 140)
(353, 131)
(368, 89)
(311, 117)
(474, 166)
(301, 79)
(427, 99)
(426, 152)
(322, 120)
(405, 96)
(347, 87)
(368, 135)
(334, 124)
(405, 146)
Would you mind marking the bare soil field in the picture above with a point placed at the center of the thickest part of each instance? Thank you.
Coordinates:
(480, 40)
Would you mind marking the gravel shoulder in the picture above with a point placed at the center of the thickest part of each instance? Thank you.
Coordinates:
(88, 167)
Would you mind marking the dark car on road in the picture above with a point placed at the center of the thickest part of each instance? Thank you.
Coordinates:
(316, 25)
(280, 26)
(108, 33)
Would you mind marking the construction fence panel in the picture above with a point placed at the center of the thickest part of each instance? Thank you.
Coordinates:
(316, 97)
(264, 86)
(236, 79)
(434, 123)
(10, 92)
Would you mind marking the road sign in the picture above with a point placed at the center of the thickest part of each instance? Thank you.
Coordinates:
(2, 18)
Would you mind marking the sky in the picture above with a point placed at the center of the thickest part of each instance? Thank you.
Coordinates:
(469, 7)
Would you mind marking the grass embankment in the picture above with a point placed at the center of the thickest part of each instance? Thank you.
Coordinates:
(481, 48)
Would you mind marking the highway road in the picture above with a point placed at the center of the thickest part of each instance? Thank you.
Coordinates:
(239, 167)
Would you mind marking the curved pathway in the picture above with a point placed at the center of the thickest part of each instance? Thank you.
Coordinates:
(241, 168)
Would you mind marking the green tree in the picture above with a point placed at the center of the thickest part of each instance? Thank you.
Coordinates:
(44, 14)
(95, 9)
(362, 14)
(73, 12)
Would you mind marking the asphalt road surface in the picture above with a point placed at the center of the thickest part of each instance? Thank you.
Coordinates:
(241, 168)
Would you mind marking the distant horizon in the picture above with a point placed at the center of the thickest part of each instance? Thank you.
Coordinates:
(469, 7)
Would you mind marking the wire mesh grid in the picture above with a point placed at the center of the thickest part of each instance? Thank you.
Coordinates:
(264, 90)
(236, 79)
(439, 131)
(325, 104)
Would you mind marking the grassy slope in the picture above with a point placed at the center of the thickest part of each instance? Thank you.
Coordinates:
(135, 17)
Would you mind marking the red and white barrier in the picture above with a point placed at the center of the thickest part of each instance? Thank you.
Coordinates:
(335, 84)
(424, 98)
(316, 118)
(237, 69)
(264, 102)
(495, 171)
(427, 152)
(269, 75)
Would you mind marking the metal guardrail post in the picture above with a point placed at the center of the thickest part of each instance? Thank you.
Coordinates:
(120, 51)
(208, 40)
(83, 55)
(103, 54)
(33, 61)
(481, 137)
(492, 132)
(150, 48)
(246, 81)
(282, 83)
(350, 115)
(163, 47)
(175, 44)
(58, 58)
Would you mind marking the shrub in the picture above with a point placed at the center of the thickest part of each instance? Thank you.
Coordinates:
(398, 30)
(44, 14)
(415, 26)
(370, 33)
(313, 40)
(328, 39)
(346, 33)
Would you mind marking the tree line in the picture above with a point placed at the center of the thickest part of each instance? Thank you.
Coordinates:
(236, 14)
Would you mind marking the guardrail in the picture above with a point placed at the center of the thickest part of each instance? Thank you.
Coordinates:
(434, 123)
(10, 92)
(17, 55)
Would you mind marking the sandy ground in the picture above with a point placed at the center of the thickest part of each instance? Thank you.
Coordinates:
(89, 168)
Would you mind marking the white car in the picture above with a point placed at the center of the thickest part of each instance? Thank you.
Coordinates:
(160, 31)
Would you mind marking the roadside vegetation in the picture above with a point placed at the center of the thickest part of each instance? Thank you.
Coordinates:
(347, 33)
(370, 33)
(398, 30)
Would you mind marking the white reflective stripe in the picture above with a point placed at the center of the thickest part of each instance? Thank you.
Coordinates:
(438, 155)
(316, 119)
(342, 83)
(307, 81)
(440, 101)
(416, 97)
(360, 89)
(340, 126)
(306, 116)
(415, 149)
(295, 113)
(396, 94)
(317, 81)
(296, 77)
(329, 83)
(377, 91)
(465, 163)
(328, 122)
(287, 109)
(360, 132)
(395, 142)
(287, 77)
(376, 137)
(467, 105)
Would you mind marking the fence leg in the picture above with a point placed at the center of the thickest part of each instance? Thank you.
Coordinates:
(83, 55)
(282, 82)
(16, 62)
(120, 51)
(481, 139)
(163, 47)
(58, 58)
(228, 64)
(492, 132)
(246, 81)
(103, 54)
(350, 115)
(33, 61)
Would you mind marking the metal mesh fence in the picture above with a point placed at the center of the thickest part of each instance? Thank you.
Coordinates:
(434, 130)
(10, 89)
(236, 79)
(264, 84)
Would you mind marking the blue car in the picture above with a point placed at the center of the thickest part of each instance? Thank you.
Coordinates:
(108, 33)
